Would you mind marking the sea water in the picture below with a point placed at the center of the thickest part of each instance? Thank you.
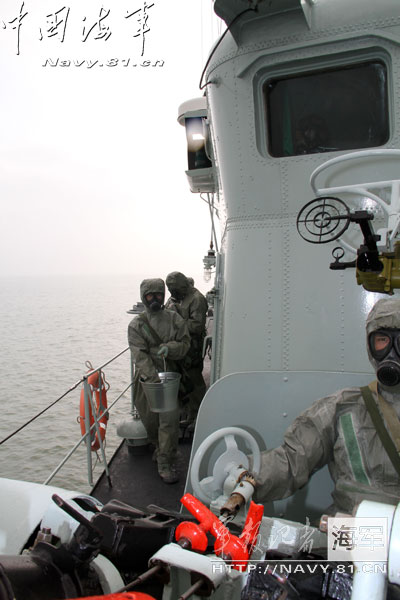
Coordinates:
(49, 327)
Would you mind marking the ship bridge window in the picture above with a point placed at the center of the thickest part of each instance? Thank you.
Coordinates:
(338, 109)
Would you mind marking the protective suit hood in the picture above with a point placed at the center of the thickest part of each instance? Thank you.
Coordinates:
(385, 314)
(177, 281)
(151, 286)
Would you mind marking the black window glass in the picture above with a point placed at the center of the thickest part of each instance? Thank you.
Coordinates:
(324, 111)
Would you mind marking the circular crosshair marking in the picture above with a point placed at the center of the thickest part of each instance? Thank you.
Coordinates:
(323, 220)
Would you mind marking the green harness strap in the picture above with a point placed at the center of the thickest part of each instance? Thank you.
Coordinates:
(380, 427)
(353, 449)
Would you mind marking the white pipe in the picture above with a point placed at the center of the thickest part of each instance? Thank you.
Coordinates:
(370, 580)
(346, 157)
(394, 549)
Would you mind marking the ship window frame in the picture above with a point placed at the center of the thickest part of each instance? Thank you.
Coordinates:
(296, 68)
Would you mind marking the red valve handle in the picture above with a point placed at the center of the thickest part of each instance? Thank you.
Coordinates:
(228, 546)
(192, 533)
(252, 526)
(120, 596)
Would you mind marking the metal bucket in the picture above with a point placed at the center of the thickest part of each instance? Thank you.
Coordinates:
(163, 397)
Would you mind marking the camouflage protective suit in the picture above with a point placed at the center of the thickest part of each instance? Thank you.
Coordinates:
(162, 428)
(338, 431)
(187, 301)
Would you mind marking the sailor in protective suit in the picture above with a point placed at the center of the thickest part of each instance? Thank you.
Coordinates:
(154, 336)
(355, 431)
(187, 301)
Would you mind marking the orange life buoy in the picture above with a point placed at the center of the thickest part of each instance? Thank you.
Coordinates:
(97, 390)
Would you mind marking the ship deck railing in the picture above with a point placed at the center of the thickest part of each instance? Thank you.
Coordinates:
(90, 410)
(92, 416)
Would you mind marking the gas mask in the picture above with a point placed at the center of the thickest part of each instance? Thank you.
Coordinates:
(154, 301)
(384, 346)
(176, 294)
(178, 285)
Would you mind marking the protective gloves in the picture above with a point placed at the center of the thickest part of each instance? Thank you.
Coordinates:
(163, 351)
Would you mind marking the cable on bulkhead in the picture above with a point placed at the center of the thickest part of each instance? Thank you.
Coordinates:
(255, 9)
(212, 208)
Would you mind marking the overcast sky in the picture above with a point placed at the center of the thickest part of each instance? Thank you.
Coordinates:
(92, 159)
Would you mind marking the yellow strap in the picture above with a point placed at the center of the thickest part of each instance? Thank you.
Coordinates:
(389, 414)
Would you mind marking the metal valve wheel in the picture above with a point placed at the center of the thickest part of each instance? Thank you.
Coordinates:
(211, 487)
(384, 194)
